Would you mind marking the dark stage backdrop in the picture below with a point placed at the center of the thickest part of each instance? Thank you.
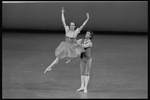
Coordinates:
(104, 15)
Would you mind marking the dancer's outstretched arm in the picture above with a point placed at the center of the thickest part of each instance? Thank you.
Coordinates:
(63, 17)
(87, 14)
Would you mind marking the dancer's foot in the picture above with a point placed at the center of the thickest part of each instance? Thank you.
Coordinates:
(85, 91)
(80, 89)
(68, 61)
(48, 69)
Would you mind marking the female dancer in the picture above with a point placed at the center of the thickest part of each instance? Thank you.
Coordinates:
(86, 60)
(68, 48)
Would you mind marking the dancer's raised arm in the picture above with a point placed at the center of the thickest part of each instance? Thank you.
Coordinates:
(87, 14)
(63, 17)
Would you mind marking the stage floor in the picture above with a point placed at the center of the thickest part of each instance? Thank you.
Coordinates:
(119, 68)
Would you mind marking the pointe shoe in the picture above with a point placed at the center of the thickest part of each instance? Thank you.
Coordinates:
(80, 89)
(49, 69)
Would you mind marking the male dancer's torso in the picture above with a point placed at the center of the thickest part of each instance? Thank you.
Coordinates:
(87, 54)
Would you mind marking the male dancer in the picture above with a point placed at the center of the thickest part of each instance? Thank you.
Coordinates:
(86, 60)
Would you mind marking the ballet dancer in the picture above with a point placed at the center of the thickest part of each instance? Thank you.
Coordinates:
(86, 60)
(69, 48)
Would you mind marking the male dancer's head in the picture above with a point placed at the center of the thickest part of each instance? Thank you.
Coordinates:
(89, 35)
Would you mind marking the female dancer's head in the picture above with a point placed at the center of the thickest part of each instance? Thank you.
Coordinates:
(89, 34)
(72, 25)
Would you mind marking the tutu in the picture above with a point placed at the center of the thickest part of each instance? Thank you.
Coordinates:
(69, 49)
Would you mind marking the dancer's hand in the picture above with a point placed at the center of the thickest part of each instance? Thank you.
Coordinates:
(62, 10)
(79, 41)
(87, 14)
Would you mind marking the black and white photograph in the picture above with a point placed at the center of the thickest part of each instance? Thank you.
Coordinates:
(75, 49)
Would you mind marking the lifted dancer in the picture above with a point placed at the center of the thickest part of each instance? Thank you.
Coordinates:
(69, 48)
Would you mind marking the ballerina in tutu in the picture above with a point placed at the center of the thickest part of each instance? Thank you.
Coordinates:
(69, 48)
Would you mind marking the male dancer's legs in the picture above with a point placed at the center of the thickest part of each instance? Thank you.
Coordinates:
(82, 69)
(87, 73)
